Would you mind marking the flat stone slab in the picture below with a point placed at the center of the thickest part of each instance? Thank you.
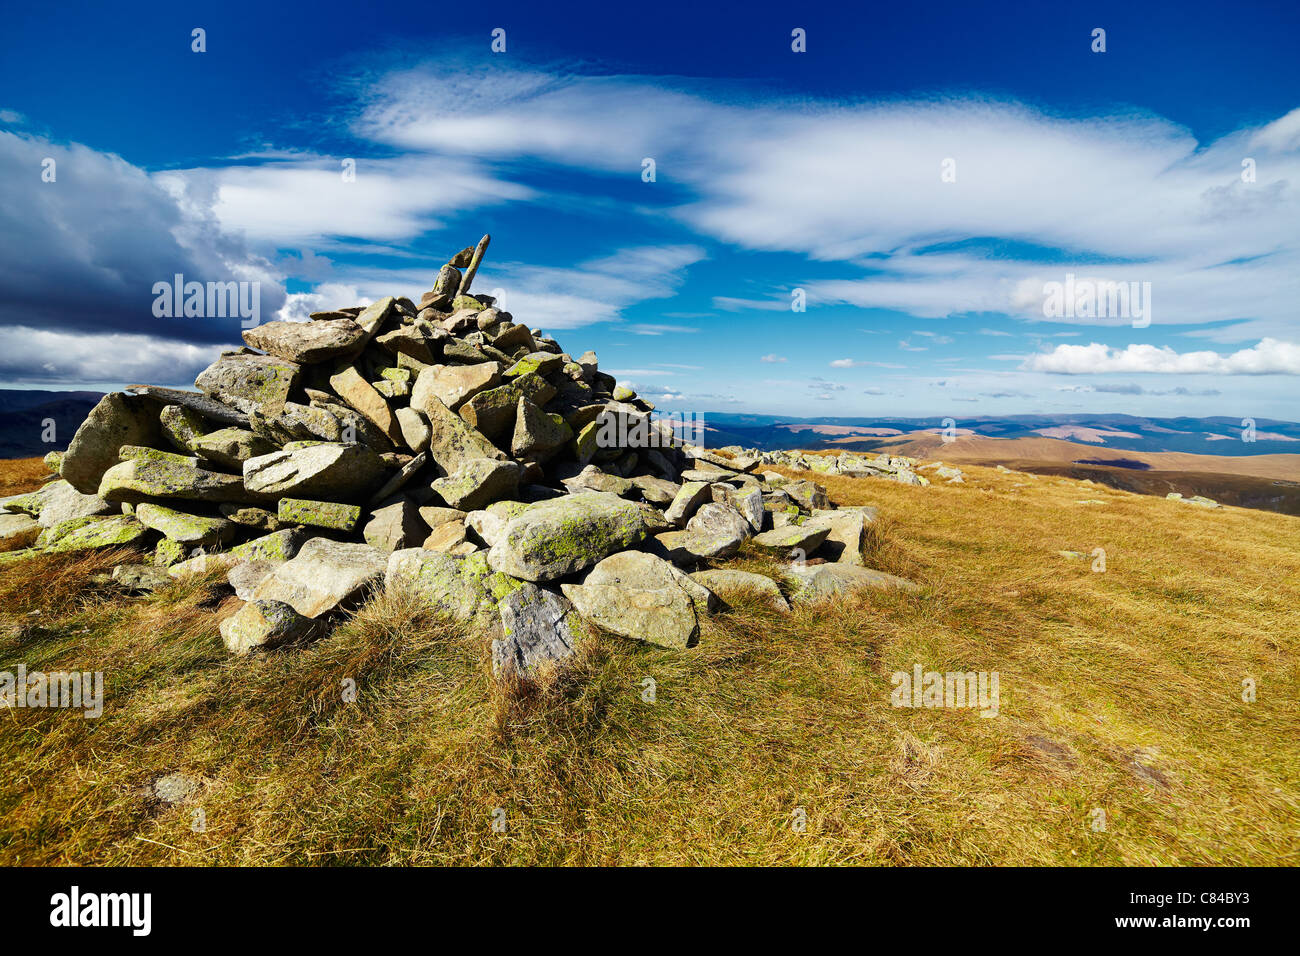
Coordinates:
(793, 537)
(663, 616)
(307, 342)
(728, 584)
(187, 529)
(324, 575)
(819, 582)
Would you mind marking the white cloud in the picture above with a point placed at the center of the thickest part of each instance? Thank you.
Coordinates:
(847, 181)
(935, 337)
(11, 117)
(44, 356)
(775, 358)
(1269, 357)
(307, 200)
(855, 363)
(621, 373)
(323, 298)
(651, 328)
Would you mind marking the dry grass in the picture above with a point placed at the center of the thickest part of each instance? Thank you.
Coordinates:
(21, 475)
(1119, 691)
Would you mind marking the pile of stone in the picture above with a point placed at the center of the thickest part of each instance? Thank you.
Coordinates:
(443, 447)
(890, 467)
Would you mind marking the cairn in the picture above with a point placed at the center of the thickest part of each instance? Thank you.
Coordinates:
(440, 446)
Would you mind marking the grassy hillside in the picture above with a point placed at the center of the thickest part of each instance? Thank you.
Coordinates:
(980, 449)
(1120, 690)
(1270, 482)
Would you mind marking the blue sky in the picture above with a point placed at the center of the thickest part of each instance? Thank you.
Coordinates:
(821, 171)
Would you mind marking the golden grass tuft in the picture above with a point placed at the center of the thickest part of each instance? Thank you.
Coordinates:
(21, 475)
(1120, 692)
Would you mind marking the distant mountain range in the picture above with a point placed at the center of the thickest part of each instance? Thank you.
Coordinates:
(1198, 436)
(26, 416)
(1155, 456)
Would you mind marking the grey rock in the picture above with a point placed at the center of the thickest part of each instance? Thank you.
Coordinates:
(264, 624)
(647, 572)
(117, 420)
(248, 382)
(230, 447)
(195, 402)
(140, 578)
(557, 537)
(187, 529)
(717, 531)
(478, 482)
(245, 576)
(18, 530)
(592, 478)
(658, 491)
(538, 434)
(61, 502)
(457, 586)
(318, 514)
(174, 788)
(452, 441)
(400, 479)
(394, 527)
(793, 537)
(846, 531)
(729, 584)
(453, 385)
(81, 534)
(350, 386)
(689, 497)
(807, 494)
(661, 616)
(291, 422)
(307, 342)
(414, 427)
(538, 633)
(324, 575)
(250, 517)
(156, 477)
(492, 412)
(434, 516)
(324, 470)
(818, 582)
(749, 503)
(447, 538)
(182, 426)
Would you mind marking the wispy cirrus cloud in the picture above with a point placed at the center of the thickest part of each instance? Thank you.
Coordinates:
(860, 184)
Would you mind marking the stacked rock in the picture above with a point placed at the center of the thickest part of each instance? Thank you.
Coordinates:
(897, 468)
(439, 446)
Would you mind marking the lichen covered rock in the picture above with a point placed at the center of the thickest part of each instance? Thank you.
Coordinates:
(555, 538)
